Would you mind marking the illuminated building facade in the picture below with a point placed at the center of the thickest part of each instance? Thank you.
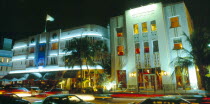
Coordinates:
(145, 41)
(42, 54)
(5, 56)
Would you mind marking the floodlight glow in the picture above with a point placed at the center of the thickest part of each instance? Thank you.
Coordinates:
(142, 10)
(209, 45)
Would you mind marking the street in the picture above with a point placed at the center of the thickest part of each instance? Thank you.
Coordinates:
(98, 101)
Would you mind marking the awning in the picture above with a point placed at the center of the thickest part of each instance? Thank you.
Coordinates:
(70, 74)
(50, 75)
(14, 77)
(34, 76)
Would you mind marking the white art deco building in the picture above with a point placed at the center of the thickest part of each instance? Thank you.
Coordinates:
(42, 54)
(144, 42)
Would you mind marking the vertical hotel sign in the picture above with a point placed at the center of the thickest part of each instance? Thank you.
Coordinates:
(41, 54)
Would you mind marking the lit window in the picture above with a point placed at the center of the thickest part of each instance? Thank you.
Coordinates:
(146, 47)
(120, 50)
(137, 48)
(7, 59)
(54, 46)
(2, 59)
(174, 22)
(177, 43)
(119, 32)
(144, 27)
(155, 46)
(136, 28)
(153, 25)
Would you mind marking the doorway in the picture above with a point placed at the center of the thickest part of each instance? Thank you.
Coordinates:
(149, 81)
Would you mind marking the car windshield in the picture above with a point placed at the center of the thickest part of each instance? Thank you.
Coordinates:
(74, 99)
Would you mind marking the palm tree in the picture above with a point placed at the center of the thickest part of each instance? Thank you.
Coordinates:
(199, 55)
(82, 51)
(200, 52)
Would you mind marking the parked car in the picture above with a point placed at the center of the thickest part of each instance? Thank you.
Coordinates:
(10, 98)
(20, 91)
(62, 99)
(34, 90)
(165, 100)
(56, 91)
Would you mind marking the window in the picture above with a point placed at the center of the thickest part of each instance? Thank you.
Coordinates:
(52, 61)
(174, 22)
(137, 48)
(177, 43)
(155, 46)
(136, 28)
(31, 49)
(31, 62)
(54, 46)
(144, 27)
(119, 32)
(120, 50)
(146, 47)
(153, 25)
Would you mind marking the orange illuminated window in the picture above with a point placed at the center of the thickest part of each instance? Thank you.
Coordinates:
(137, 48)
(119, 32)
(120, 50)
(174, 22)
(146, 47)
(178, 43)
(54, 46)
(136, 28)
(144, 27)
(153, 25)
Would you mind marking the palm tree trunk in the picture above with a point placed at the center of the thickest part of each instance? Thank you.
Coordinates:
(202, 72)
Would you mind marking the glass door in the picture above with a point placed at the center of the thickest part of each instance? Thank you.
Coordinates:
(149, 81)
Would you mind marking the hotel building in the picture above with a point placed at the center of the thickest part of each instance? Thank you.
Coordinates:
(144, 42)
(40, 57)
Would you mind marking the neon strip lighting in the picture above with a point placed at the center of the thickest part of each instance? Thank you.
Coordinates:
(54, 40)
(80, 36)
(30, 57)
(53, 54)
(32, 44)
(20, 46)
(53, 68)
(18, 59)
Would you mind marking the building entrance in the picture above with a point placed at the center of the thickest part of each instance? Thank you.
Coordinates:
(149, 81)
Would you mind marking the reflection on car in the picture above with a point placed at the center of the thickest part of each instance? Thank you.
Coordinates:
(56, 91)
(10, 98)
(62, 99)
(165, 100)
(20, 91)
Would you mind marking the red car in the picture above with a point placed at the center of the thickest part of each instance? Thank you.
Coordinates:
(56, 91)
(2, 90)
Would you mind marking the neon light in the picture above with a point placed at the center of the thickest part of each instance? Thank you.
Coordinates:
(20, 47)
(80, 36)
(18, 59)
(54, 40)
(54, 68)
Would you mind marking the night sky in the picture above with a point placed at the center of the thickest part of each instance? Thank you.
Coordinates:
(22, 18)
